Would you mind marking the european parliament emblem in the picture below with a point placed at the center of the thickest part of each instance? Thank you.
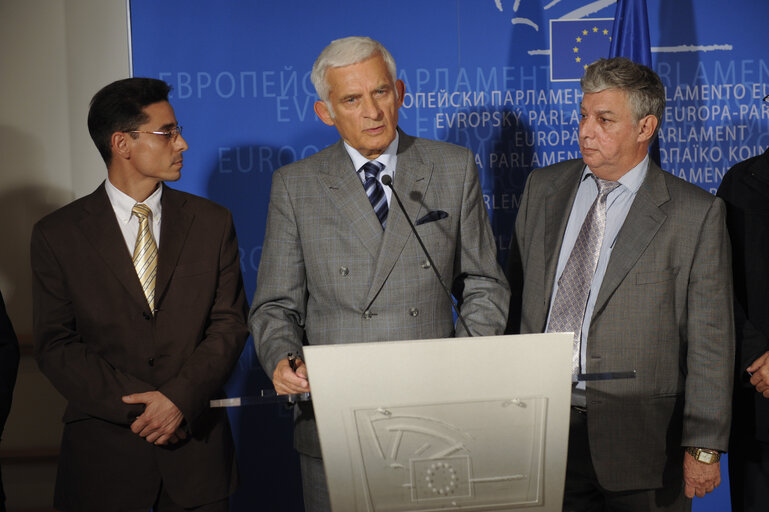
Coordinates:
(574, 44)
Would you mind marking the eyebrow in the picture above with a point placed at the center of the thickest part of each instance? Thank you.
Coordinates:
(600, 112)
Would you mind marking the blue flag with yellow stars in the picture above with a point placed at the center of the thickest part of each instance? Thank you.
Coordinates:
(576, 43)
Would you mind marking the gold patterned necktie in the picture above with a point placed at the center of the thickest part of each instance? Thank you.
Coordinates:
(145, 256)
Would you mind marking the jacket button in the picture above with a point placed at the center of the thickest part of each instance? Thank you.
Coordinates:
(343, 271)
(146, 315)
(425, 264)
(151, 361)
(414, 312)
(367, 315)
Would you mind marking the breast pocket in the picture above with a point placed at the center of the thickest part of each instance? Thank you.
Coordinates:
(652, 302)
(658, 276)
(194, 269)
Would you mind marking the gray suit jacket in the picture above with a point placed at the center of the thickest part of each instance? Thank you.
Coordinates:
(329, 274)
(664, 310)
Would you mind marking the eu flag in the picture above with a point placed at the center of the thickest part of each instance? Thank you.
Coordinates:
(630, 39)
(576, 43)
(630, 34)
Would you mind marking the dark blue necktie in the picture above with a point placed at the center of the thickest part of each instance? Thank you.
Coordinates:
(375, 190)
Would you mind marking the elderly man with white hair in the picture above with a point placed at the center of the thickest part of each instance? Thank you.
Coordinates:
(339, 261)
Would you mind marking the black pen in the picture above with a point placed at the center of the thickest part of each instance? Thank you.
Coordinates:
(292, 361)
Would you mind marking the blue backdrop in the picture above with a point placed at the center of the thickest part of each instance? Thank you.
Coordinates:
(497, 76)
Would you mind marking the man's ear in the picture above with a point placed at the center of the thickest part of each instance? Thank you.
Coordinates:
(321, 110)
(121, 147)
(401, 88)
(646, 128)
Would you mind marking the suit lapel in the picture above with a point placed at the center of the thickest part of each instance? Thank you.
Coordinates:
(412, 178)
(558, 204)
(99, 225)
(641, 224)
(345, 189)
(175, 225)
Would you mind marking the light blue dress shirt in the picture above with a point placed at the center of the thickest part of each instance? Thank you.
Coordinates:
(618, 205)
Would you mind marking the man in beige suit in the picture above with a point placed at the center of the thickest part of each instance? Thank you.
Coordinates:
(340, 263)
(656, 299)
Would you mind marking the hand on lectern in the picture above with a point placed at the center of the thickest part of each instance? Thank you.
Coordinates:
(288, 380)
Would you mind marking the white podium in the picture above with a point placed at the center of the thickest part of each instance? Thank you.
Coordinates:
(466, 424)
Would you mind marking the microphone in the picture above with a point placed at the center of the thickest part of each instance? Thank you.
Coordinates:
(388, 181)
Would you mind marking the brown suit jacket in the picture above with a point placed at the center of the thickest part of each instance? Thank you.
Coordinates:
(96, 340)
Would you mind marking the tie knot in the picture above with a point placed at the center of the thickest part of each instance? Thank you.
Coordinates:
(372, 168)
(142, 211)
(604, 186)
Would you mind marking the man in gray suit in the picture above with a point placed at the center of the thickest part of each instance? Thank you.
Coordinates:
(650, 292)
(339, 261)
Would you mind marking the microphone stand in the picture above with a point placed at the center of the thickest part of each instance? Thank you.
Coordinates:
(388, 181)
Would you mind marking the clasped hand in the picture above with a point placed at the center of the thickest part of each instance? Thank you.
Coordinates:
(160, 421)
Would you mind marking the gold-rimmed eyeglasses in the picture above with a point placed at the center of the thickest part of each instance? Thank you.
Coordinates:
(171, 134)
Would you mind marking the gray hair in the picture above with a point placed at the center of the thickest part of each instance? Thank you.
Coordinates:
(642, 85)
(345, 52)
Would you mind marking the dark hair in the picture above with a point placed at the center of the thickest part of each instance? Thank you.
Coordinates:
(642, 85)
(118, 107)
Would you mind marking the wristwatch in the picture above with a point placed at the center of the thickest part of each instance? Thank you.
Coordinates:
(704, 455)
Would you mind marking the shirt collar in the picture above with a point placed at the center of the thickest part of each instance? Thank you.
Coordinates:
(632, 179)
(123, 204)
(388, 158)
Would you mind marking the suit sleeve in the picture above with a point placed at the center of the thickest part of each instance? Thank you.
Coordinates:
(710, 336)
(278, 311)
(514, 266)
(209, 365)
(479, 283)
(751, 342)
(9, 363)
(86, 380)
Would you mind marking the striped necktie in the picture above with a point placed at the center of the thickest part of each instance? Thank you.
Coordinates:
(375, 190)
(568, 311)
(145, 256)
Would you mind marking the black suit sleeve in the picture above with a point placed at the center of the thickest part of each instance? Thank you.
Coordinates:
(742, 203)
(9, 363)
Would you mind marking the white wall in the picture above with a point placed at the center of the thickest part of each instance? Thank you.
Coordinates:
(54, 55)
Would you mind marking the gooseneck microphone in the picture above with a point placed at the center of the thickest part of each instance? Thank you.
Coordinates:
(388, 181)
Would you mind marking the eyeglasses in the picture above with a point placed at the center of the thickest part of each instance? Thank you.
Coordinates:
(171, 134)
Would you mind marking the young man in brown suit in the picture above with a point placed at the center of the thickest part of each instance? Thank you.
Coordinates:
(139, 319)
